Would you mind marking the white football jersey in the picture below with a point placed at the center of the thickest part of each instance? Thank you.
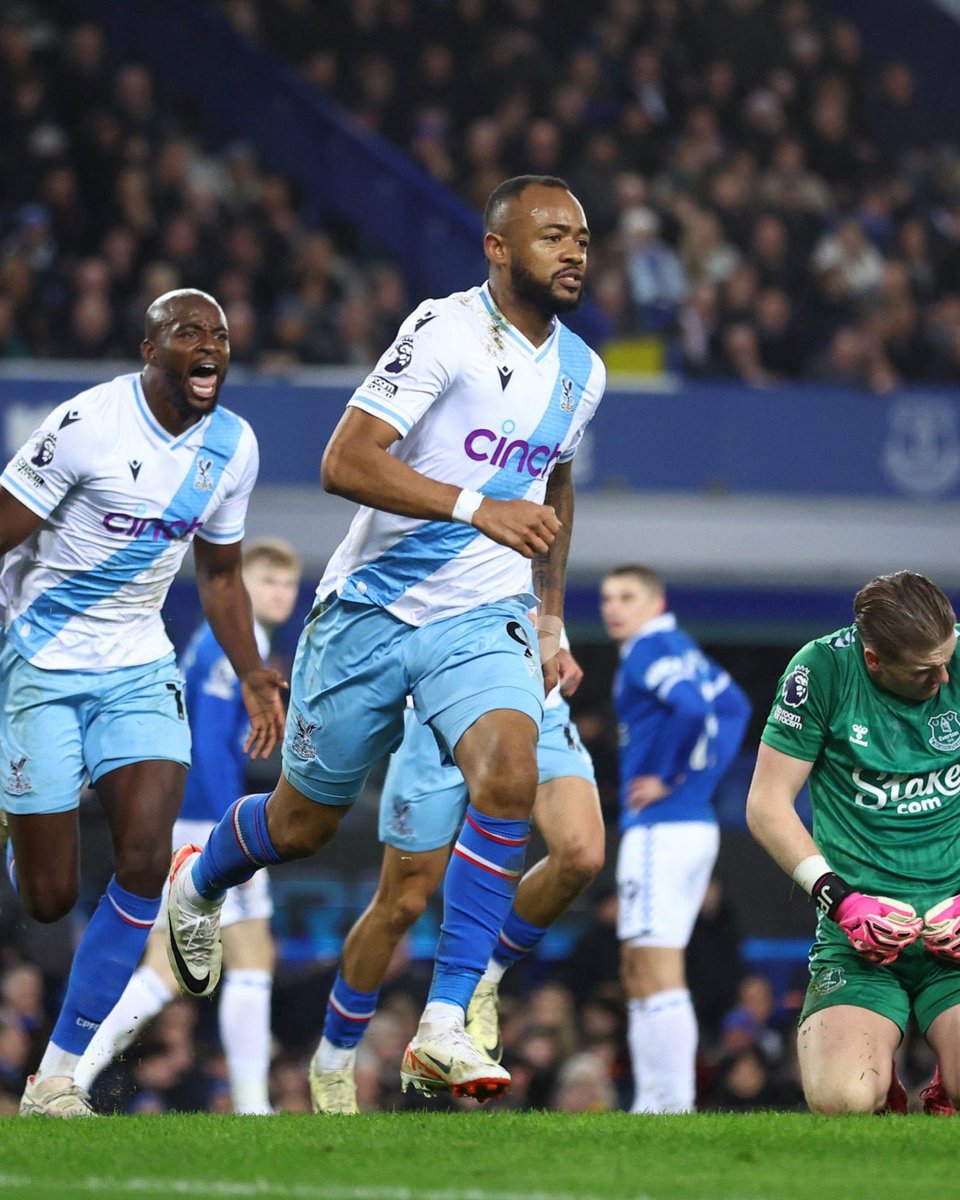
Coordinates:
(479, 406)
(121, 500)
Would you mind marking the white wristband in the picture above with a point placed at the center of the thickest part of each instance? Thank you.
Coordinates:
(809, 870)
(465, 506)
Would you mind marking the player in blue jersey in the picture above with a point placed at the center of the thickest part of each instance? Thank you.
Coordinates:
(421, 810)
(219, 725)
(96, 513)
(458, 447)
(681, 721)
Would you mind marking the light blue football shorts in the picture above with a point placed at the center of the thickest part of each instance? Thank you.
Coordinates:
(423, 800)
(60, 728)
(356, 664)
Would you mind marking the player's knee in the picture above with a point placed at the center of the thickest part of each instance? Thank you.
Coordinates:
(142, 867)
(407, 908)
(302, 831)
(507, 787)
(831, 1098)
(581, 861)
(47, 900)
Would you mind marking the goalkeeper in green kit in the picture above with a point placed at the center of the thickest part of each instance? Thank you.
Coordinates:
(870, 717)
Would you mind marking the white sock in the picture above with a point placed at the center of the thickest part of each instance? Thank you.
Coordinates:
(143, 998)
(245, 1035)
(329, 1057)
(193, 897)
(442, 1017)
(662, 1035)
(56, 1062)
(495, 971)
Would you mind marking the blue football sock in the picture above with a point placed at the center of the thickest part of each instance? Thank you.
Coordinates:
(348, 1013)
(236, 849)
(105, 959)
(517, 938)
(478, 890)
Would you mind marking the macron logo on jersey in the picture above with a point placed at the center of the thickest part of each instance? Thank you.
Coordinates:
(535, 460)
(156, 528)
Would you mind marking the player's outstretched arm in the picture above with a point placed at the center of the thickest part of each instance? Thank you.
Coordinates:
(226, 606)
(356, 465)
(17, 521)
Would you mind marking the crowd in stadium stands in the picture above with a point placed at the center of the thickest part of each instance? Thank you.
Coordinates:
(764, 203)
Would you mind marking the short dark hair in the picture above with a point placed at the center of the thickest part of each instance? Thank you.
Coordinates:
(502, 196)
(650, 578)
(901, 612)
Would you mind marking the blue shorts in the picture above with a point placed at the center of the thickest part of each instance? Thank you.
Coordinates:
(423, 801)
(356, 664)
(60, 728)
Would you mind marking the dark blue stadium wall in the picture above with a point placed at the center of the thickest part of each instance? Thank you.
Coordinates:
(702, 439)
(346, 172)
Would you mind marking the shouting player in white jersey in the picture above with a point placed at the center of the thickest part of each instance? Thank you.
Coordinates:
(96, 513)
(459, 448)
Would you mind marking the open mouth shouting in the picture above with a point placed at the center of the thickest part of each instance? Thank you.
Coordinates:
(203, 382)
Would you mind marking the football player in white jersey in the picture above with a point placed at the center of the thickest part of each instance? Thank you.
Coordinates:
(96, 513)
(421, 811)
(458, 447)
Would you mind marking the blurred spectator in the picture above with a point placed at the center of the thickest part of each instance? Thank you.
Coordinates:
(749, 1022)
(699, 322)
(848, 250)
(657, 283)
(583, 1085)
(741, 350)
(780, 348)
(745, 1082)
(714, 964)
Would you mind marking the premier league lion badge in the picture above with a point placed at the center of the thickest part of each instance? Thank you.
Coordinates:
(796, 686)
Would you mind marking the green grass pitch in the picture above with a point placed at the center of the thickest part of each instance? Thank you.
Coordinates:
(482, 1156)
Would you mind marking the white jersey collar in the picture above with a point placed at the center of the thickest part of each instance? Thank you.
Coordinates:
(512, 332)
(662, 624)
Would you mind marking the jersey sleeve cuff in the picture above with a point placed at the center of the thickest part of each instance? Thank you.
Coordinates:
(226, 538)
(27, 498)
(402, 425)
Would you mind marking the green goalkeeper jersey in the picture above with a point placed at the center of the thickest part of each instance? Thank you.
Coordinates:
(885, 783)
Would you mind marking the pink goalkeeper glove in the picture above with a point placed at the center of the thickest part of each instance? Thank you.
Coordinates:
(941, 930)
(876, 926)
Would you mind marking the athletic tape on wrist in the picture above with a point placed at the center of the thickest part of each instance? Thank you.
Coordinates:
(549, 636)
(809, 870)
(465, 505)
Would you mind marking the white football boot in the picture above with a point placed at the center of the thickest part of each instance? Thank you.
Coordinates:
(194, 946)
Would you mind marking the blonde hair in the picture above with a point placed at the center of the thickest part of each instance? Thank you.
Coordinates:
(274, 551)
(901, 612)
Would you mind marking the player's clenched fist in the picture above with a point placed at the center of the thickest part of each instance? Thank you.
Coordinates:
(876, 926)
(941, 930)
(520, 524)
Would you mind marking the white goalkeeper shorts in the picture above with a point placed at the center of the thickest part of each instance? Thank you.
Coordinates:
(245, 902)
(662, 876)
